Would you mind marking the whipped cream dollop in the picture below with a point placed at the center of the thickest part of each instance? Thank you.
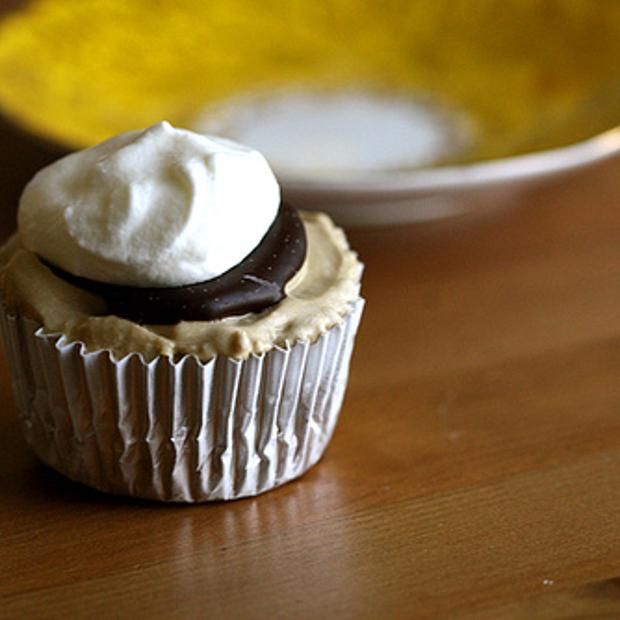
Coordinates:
(160, 207)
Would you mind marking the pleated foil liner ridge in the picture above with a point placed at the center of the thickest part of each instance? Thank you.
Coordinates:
(181, 431)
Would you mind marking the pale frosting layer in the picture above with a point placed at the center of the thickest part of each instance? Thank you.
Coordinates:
(317, 299)
(158, 207)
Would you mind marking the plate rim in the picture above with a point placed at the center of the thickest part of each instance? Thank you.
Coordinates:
(487, 172)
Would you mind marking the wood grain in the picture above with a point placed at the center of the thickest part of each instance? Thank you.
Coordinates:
(475, 472)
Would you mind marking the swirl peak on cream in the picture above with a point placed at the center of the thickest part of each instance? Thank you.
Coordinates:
(158, 207)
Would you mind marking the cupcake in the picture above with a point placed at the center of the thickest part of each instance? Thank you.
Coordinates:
(175, 331)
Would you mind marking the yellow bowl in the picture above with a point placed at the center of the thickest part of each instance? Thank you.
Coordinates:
(355, 102)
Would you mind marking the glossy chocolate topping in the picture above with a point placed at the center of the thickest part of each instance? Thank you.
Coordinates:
(251, 286)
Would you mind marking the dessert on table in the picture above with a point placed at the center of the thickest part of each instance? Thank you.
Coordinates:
(175, 330)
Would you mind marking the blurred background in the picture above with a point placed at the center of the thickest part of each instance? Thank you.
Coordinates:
(379, 112)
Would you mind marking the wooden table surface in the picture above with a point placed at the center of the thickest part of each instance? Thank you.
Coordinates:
(475, 472)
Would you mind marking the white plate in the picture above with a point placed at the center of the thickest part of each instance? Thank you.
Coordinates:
(435, 193)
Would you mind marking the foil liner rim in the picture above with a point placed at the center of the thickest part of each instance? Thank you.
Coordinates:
(62, 342)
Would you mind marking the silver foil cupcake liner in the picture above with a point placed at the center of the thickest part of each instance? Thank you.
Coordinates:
(181, 431)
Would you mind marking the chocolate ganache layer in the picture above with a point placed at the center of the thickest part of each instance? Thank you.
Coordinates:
(253, 285)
